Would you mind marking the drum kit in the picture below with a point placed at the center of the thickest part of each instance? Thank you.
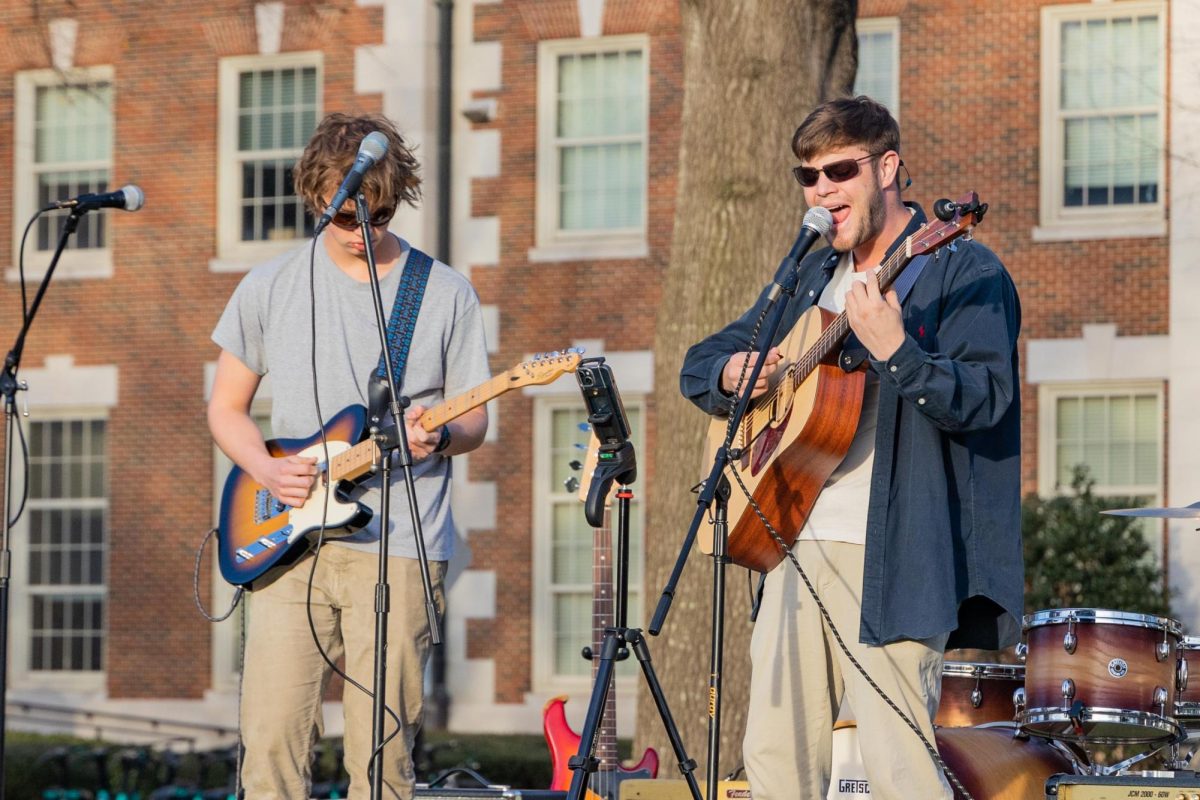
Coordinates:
(1087, 679)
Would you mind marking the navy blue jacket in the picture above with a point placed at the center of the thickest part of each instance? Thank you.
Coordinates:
(943, 541)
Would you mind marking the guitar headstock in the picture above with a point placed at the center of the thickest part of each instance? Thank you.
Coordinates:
(955, 219)
(545, 367)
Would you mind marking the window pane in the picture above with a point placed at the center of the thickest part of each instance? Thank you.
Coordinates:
(67, 545)
(601, 129)
(1110, 70)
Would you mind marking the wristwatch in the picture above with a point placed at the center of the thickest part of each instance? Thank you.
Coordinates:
(444, 441)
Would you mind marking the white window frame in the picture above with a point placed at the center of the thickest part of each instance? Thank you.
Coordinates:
(1048, 396)
(1056, 221)
(94, 262)
(875, 25)
(545, 679)
(22, 675)
(552, 243)
(234, 255)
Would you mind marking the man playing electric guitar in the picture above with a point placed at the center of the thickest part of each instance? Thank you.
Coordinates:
(914, 538)
(266, 329)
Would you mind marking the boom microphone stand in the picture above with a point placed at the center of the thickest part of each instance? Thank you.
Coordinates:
(616, 462)
(715, 489)
(396, 406)
(9, 386)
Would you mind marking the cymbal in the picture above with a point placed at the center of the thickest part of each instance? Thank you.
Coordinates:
(1187, 512)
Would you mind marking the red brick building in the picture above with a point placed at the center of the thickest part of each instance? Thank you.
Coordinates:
(1069, 119)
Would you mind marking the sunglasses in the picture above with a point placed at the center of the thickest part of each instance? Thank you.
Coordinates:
(837, 172)
(348, 220)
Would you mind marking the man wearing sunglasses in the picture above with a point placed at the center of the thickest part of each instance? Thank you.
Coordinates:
(266, 329)
(914, 541)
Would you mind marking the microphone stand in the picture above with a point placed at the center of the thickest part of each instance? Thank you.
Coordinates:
(9, 386)
(396, 405)
(716, 488)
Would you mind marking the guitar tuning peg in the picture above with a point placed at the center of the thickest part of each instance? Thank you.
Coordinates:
(555, 354)
(571, 484)
(538, 356)
(584, 426)
(575, 464)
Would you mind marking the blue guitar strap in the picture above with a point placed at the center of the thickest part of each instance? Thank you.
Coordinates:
(904, 284)
(400, 326)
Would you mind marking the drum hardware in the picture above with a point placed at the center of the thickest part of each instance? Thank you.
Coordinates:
(1101, 677)
(1022, 652)
(1187, 512)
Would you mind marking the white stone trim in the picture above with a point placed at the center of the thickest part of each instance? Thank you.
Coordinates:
(591, 18)
(61, 387)
(268, 24)
(1098, 355)
(63, 33)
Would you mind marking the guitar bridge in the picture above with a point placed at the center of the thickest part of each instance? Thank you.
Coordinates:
(266, 507)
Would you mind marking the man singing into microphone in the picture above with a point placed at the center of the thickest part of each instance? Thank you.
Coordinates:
(266, 329)
(915, 538)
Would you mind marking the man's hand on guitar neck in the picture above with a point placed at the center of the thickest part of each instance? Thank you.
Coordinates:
(875, 319)
(732, 373)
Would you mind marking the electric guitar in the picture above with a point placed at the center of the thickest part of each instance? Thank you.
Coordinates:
(562, 741)
(257, 534)
(794, 436)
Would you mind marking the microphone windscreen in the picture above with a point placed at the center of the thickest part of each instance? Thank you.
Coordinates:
(374, 145)
(819, 219)
(135, 198)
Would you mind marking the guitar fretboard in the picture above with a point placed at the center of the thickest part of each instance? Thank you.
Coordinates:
(603, 611)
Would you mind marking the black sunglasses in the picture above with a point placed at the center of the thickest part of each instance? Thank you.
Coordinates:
(348, 220)
(837, 172)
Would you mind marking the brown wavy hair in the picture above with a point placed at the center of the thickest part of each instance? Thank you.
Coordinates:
(331, 152)
(843, 122)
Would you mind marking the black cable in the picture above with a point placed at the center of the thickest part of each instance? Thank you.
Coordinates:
(329, 487)
(237, 595)
(787, 551)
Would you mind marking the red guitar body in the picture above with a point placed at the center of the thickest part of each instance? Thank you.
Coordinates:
(564, 745)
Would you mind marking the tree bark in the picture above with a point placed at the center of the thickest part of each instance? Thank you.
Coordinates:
(753, 69)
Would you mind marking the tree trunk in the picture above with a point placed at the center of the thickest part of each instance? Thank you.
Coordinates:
(753, 69)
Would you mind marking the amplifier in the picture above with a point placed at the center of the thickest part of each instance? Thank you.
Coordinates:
(1149, 785)
(502, 792)
(677, 789)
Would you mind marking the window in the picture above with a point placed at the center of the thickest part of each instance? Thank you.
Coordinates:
(63, 535)
(270, 106)
(64, 136)
(592, 142)
(563, 546)
(1103, 77)
(1115, 430)
(878, 73)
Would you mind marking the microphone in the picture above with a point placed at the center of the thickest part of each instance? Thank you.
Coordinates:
(817, 224)
(373, 146)
(127, 198)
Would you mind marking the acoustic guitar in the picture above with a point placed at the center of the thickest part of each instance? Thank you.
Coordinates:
(794, 436)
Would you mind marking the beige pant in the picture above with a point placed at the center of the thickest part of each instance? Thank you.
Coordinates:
(800, 676)
(285, 677)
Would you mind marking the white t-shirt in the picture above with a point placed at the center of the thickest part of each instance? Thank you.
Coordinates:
(840, 513)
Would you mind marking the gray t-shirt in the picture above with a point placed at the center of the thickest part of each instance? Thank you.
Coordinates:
(268, 326)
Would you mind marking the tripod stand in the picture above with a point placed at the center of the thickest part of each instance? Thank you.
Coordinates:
(617, 463)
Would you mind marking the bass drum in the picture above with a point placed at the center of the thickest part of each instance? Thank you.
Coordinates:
(988, 760)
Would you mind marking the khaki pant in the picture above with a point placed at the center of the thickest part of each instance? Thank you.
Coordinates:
(285, 677)
(800, 677)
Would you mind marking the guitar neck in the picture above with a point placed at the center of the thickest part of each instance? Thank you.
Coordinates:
(603, 617)
(460, 404)
(831, 338)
